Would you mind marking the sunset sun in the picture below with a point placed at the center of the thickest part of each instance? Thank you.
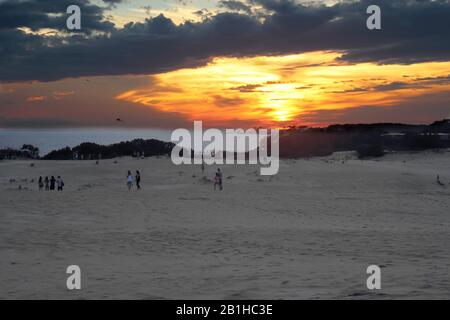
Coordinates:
(283, 90)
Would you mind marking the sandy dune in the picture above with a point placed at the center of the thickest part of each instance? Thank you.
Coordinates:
(308, 232)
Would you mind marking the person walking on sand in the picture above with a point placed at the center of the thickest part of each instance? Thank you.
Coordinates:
(219, 174)
(60, 183)
(46, 183)
(52, 183)
(138, 180)
(129, 180)
(41, 183)
(203, 165)
(216, 181)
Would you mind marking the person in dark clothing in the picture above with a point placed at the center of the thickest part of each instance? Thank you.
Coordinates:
(203, 165)
(41, 183)
(219, 174)
(47, 187)
(52, 183)
(138, 179)
(216, 181)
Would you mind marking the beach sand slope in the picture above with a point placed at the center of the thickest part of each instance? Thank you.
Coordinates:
(309, 232)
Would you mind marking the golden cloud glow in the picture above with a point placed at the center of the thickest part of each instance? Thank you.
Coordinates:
(36, 98)
(276, 91)
(178, 14)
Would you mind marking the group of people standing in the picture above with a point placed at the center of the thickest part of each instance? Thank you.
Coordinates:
(51, 183)
(132, 179)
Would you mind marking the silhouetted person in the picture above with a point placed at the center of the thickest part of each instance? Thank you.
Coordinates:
(216, 181)
(47, 186)
(219, 174)
(52, 183)
(41, 183)
(138, 179)
(203, 165)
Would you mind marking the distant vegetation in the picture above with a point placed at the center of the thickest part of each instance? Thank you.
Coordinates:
(26, 152)
(368, 140)
(88, 150)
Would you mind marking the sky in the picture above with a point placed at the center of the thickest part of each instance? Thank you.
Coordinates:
(229, 63)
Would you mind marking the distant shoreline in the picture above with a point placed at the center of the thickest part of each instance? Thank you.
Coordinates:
(48, 140)
(368, 140)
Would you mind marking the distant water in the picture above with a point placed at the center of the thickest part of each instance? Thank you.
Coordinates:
(50, 139)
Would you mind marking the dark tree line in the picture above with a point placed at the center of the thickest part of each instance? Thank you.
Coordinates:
(27, 151)
(369, 140)
(89, 150)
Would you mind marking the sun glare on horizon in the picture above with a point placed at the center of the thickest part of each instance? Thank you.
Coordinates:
(280, 90)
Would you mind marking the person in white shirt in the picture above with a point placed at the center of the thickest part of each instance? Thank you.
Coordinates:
(60, 183)
(129, 180)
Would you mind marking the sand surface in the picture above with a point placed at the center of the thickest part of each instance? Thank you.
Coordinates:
(308, 232)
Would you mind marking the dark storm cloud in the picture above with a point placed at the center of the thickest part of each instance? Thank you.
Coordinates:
(417, 83)
(38, 14)
(235, 5)
(113, 1)
(412, 31)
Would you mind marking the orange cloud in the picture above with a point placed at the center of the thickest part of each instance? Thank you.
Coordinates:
(36, 98)
(277, 91)
(61, 94)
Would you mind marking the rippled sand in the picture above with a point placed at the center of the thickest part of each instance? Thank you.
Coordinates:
(309, 232)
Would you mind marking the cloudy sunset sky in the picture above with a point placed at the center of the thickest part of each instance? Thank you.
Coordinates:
(165, 63)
